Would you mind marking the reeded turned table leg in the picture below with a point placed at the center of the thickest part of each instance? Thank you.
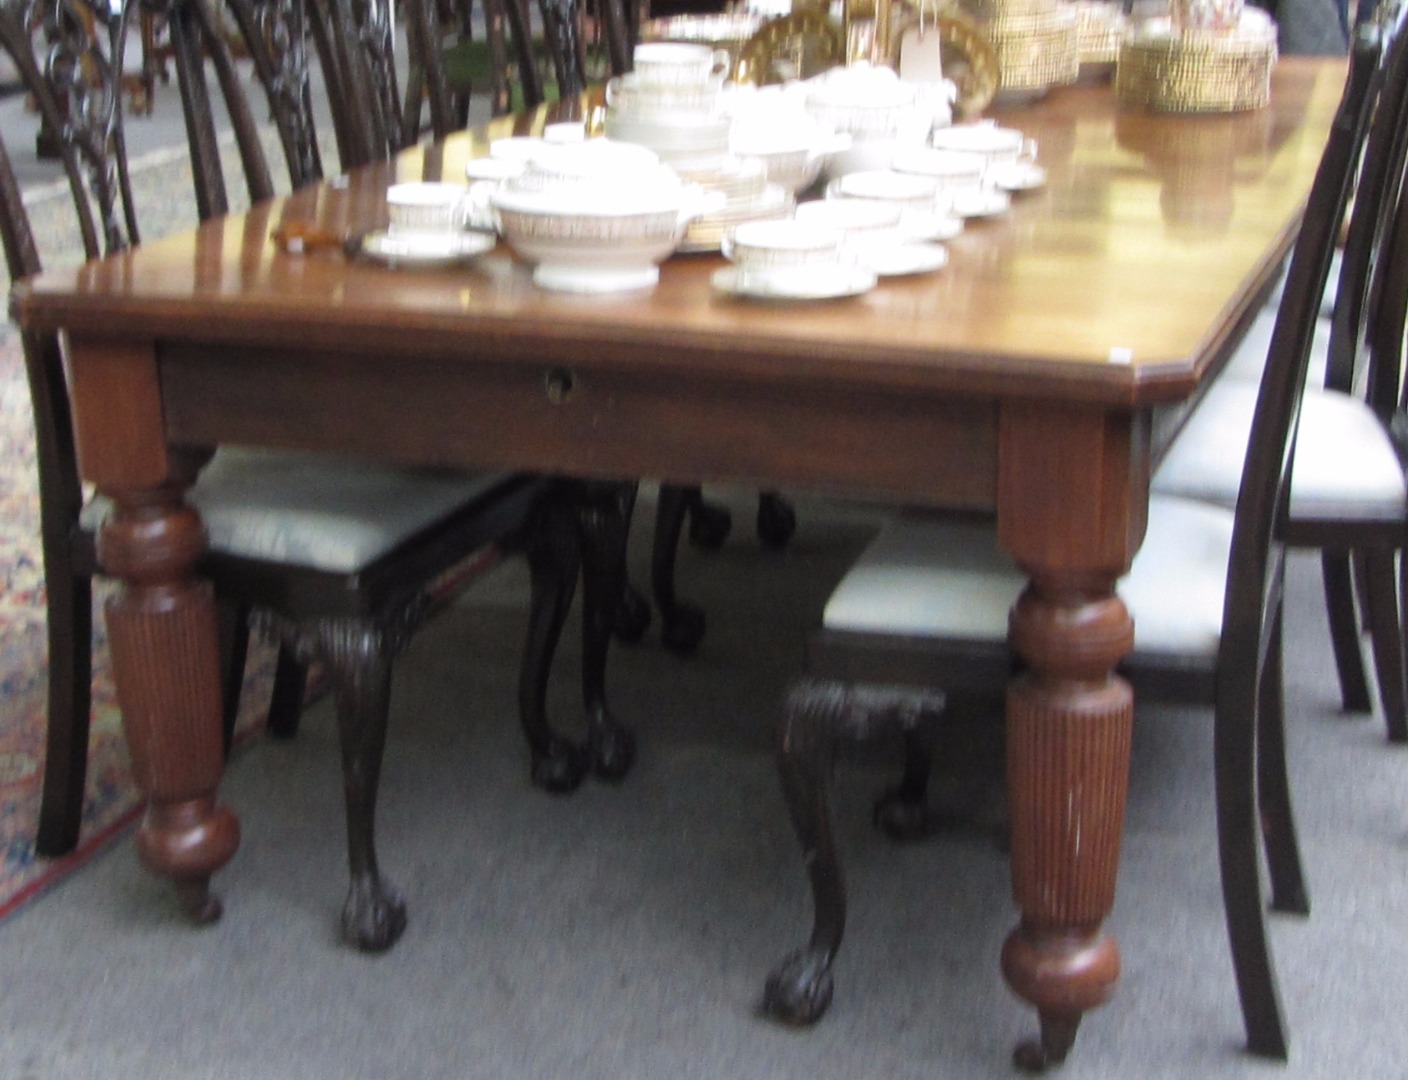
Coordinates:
(1073, 497)
(165, 659)
(1068, 732)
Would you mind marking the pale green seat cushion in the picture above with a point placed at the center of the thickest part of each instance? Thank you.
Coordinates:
(940, 579)
(1345, 467)
(326, 513)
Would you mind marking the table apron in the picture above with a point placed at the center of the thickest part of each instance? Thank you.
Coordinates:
(589, 420)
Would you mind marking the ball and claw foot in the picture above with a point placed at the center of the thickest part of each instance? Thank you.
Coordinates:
(632, 617)
(777, 521)
(561, 768)
(1058, 1035)
(374, 916)
(798, 991)
(682, 629)
(613, 752)
(201, 906)
(709, 525)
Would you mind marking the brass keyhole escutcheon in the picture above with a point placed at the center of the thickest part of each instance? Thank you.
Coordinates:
(559, 384)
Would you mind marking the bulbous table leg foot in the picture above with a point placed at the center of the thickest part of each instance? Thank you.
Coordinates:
(201, 906)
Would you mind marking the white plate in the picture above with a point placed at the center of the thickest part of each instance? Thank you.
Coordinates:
(425, 250)
(1018, 176)
(830, 283)
(905, 259)
(978, 204)
(920, 226)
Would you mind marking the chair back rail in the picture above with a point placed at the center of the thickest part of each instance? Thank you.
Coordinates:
(1360, 286)
(1263, 502)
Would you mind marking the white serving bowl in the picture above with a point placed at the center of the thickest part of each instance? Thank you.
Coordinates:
(593, 163)
(599, 240)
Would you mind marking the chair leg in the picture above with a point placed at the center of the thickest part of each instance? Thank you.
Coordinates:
(70, 615)
(554, 560)
(681, 624)
(601, 513)
(633, 614)
(233, 627)
(1234, 747)
(972, 789)
(777, 521)
(1278, 826)
(359, 655)
(816, 714)
(1386, 639)
(798, 991)
(288, 695)
(1344, 631)
(709, 523)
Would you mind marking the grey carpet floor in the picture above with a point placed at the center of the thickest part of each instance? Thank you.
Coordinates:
(625, 931)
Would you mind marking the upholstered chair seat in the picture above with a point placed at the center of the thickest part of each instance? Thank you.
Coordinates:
(924, 577)
(1345, 466)
(331, 514)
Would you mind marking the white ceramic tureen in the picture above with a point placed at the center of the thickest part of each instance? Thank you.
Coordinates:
(597, 216)
(878, 110)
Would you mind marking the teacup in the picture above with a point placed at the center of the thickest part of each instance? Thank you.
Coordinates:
(783, 244)
(908, 190)
(864, 224)
(955, 173)
(997, 145)
(678, 64)
(422, 207)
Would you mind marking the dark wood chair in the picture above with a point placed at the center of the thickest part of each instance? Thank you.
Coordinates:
(334, 556)
(919, 625)
(1349, 494)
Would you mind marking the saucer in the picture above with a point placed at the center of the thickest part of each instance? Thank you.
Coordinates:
(425, 250)
(923, 226)
(1017, 176)
(978, 204)
(903, 259)
(817, 283)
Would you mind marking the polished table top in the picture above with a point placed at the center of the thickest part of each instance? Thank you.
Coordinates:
(1024, 379)
(1150, 233)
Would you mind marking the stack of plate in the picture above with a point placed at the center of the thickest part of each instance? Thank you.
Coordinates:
(674, 106)
(747, 196)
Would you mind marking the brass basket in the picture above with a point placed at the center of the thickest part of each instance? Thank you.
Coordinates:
(1197, 72)
(1100, 28)
(1035, 49)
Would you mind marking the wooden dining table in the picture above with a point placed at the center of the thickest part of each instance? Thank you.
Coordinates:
(1036, 378)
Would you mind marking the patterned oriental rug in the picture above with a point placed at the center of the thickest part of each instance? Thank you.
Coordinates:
(112, 802)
